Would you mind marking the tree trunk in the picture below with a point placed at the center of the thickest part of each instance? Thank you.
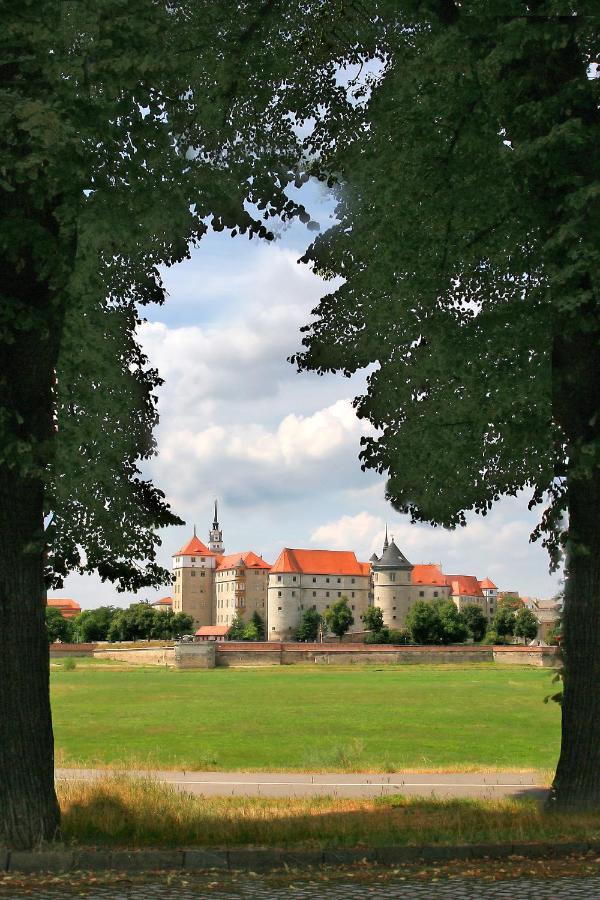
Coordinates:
(577, 780)
(28, 806)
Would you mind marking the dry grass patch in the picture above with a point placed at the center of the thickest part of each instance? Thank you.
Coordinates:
(145, 813)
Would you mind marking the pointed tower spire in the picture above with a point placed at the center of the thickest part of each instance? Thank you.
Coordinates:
(215, 535)
(386, 542)
(194, 530)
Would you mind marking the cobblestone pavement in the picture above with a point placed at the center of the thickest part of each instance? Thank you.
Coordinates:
(244, 888)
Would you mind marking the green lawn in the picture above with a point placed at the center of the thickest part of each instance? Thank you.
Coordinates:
(306, 718)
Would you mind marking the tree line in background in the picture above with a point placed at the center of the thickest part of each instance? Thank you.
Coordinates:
(436, 622)
(140, 621)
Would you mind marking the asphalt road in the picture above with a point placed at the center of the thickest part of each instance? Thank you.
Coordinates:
(278, 784)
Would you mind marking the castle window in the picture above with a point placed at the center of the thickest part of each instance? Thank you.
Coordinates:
(279, 593)
(203, 574)
(272, 628)
(293, 593)
(353, 580)
(353, 606)
(193, 574)
(435, 593)
(353, 593)
(339, 581)
(278, 609)
(392, 576)
(314, 593)
(314, 580)
(279, 578)
(421, 593)
(327, 595)
(393, 617)
(193, 559)
(339, 593)
(327, 580)
(314, 605)
(293, 577)
(393, 607)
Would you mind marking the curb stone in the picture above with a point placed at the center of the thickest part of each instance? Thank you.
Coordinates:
(263, 858)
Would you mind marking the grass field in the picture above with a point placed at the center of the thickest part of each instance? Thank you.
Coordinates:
(138, 813)
(305, 718)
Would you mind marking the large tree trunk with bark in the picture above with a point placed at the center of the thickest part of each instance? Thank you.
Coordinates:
(28, 807)
(577, 780)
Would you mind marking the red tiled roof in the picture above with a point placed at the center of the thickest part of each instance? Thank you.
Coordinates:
(318, 562)
(366, 568)
(486, 583)
(69, 608)
(195, 547)
(216, 630)
(251, 561)
(165, 601)
(464, 585)
(428, 574)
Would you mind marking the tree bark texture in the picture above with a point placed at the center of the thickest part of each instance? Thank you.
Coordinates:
(29, 811)
(28, 806)
(577, 780)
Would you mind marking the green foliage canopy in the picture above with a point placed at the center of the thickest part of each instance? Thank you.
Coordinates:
(339, 617)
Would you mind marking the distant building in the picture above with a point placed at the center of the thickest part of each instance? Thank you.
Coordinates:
(163, 604)
(212, 633)
(213, 588)
(313, 579)
(68, 608)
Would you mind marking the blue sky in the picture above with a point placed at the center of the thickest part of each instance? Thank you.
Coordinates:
(280, 449)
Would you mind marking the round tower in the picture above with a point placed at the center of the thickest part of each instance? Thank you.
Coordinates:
(392, 584)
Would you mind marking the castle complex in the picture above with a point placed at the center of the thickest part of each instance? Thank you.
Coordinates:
(214, 587)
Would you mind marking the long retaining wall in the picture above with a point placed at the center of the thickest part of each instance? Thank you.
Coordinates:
(208, 654)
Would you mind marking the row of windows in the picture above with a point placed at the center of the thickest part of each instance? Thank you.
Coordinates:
(314, 593)
(327, 580)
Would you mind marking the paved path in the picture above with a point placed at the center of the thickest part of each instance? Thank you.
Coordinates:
(569, 888)
(278, 784)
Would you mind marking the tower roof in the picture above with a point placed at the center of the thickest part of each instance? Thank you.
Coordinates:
(392, 558)
(488, 584)
(248, 559)
(465, 585)
(194, 547)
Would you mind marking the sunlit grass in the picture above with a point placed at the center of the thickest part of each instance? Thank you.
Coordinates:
(419, 718)
(144, 813)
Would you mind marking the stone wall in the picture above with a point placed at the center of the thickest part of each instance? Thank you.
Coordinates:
(527, 656)
(138, 656)
(72, 650)
(195, 656)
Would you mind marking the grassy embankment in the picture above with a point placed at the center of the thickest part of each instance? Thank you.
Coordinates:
(143, 813)
(298, 718)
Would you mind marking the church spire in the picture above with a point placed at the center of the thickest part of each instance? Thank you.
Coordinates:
(215, 535)
(386, 542)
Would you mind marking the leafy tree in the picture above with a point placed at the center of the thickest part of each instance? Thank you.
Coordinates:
(93, 624)
(236, 629)
(373, 618)
(526, 624)
(310, 622)
(181, 624)
(470, 276)
(503, 625)
(454, 627)
(378, 637)
(129, 130)
(476, 621)
(59, 628)
(339, 617)
(250, 632)
(511, 602)
(399, 636)
(423, 623)
(554, 636)
(135, 623)
(259, 623)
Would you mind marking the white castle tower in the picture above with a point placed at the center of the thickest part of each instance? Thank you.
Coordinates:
(215, 536)
(392, 583)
